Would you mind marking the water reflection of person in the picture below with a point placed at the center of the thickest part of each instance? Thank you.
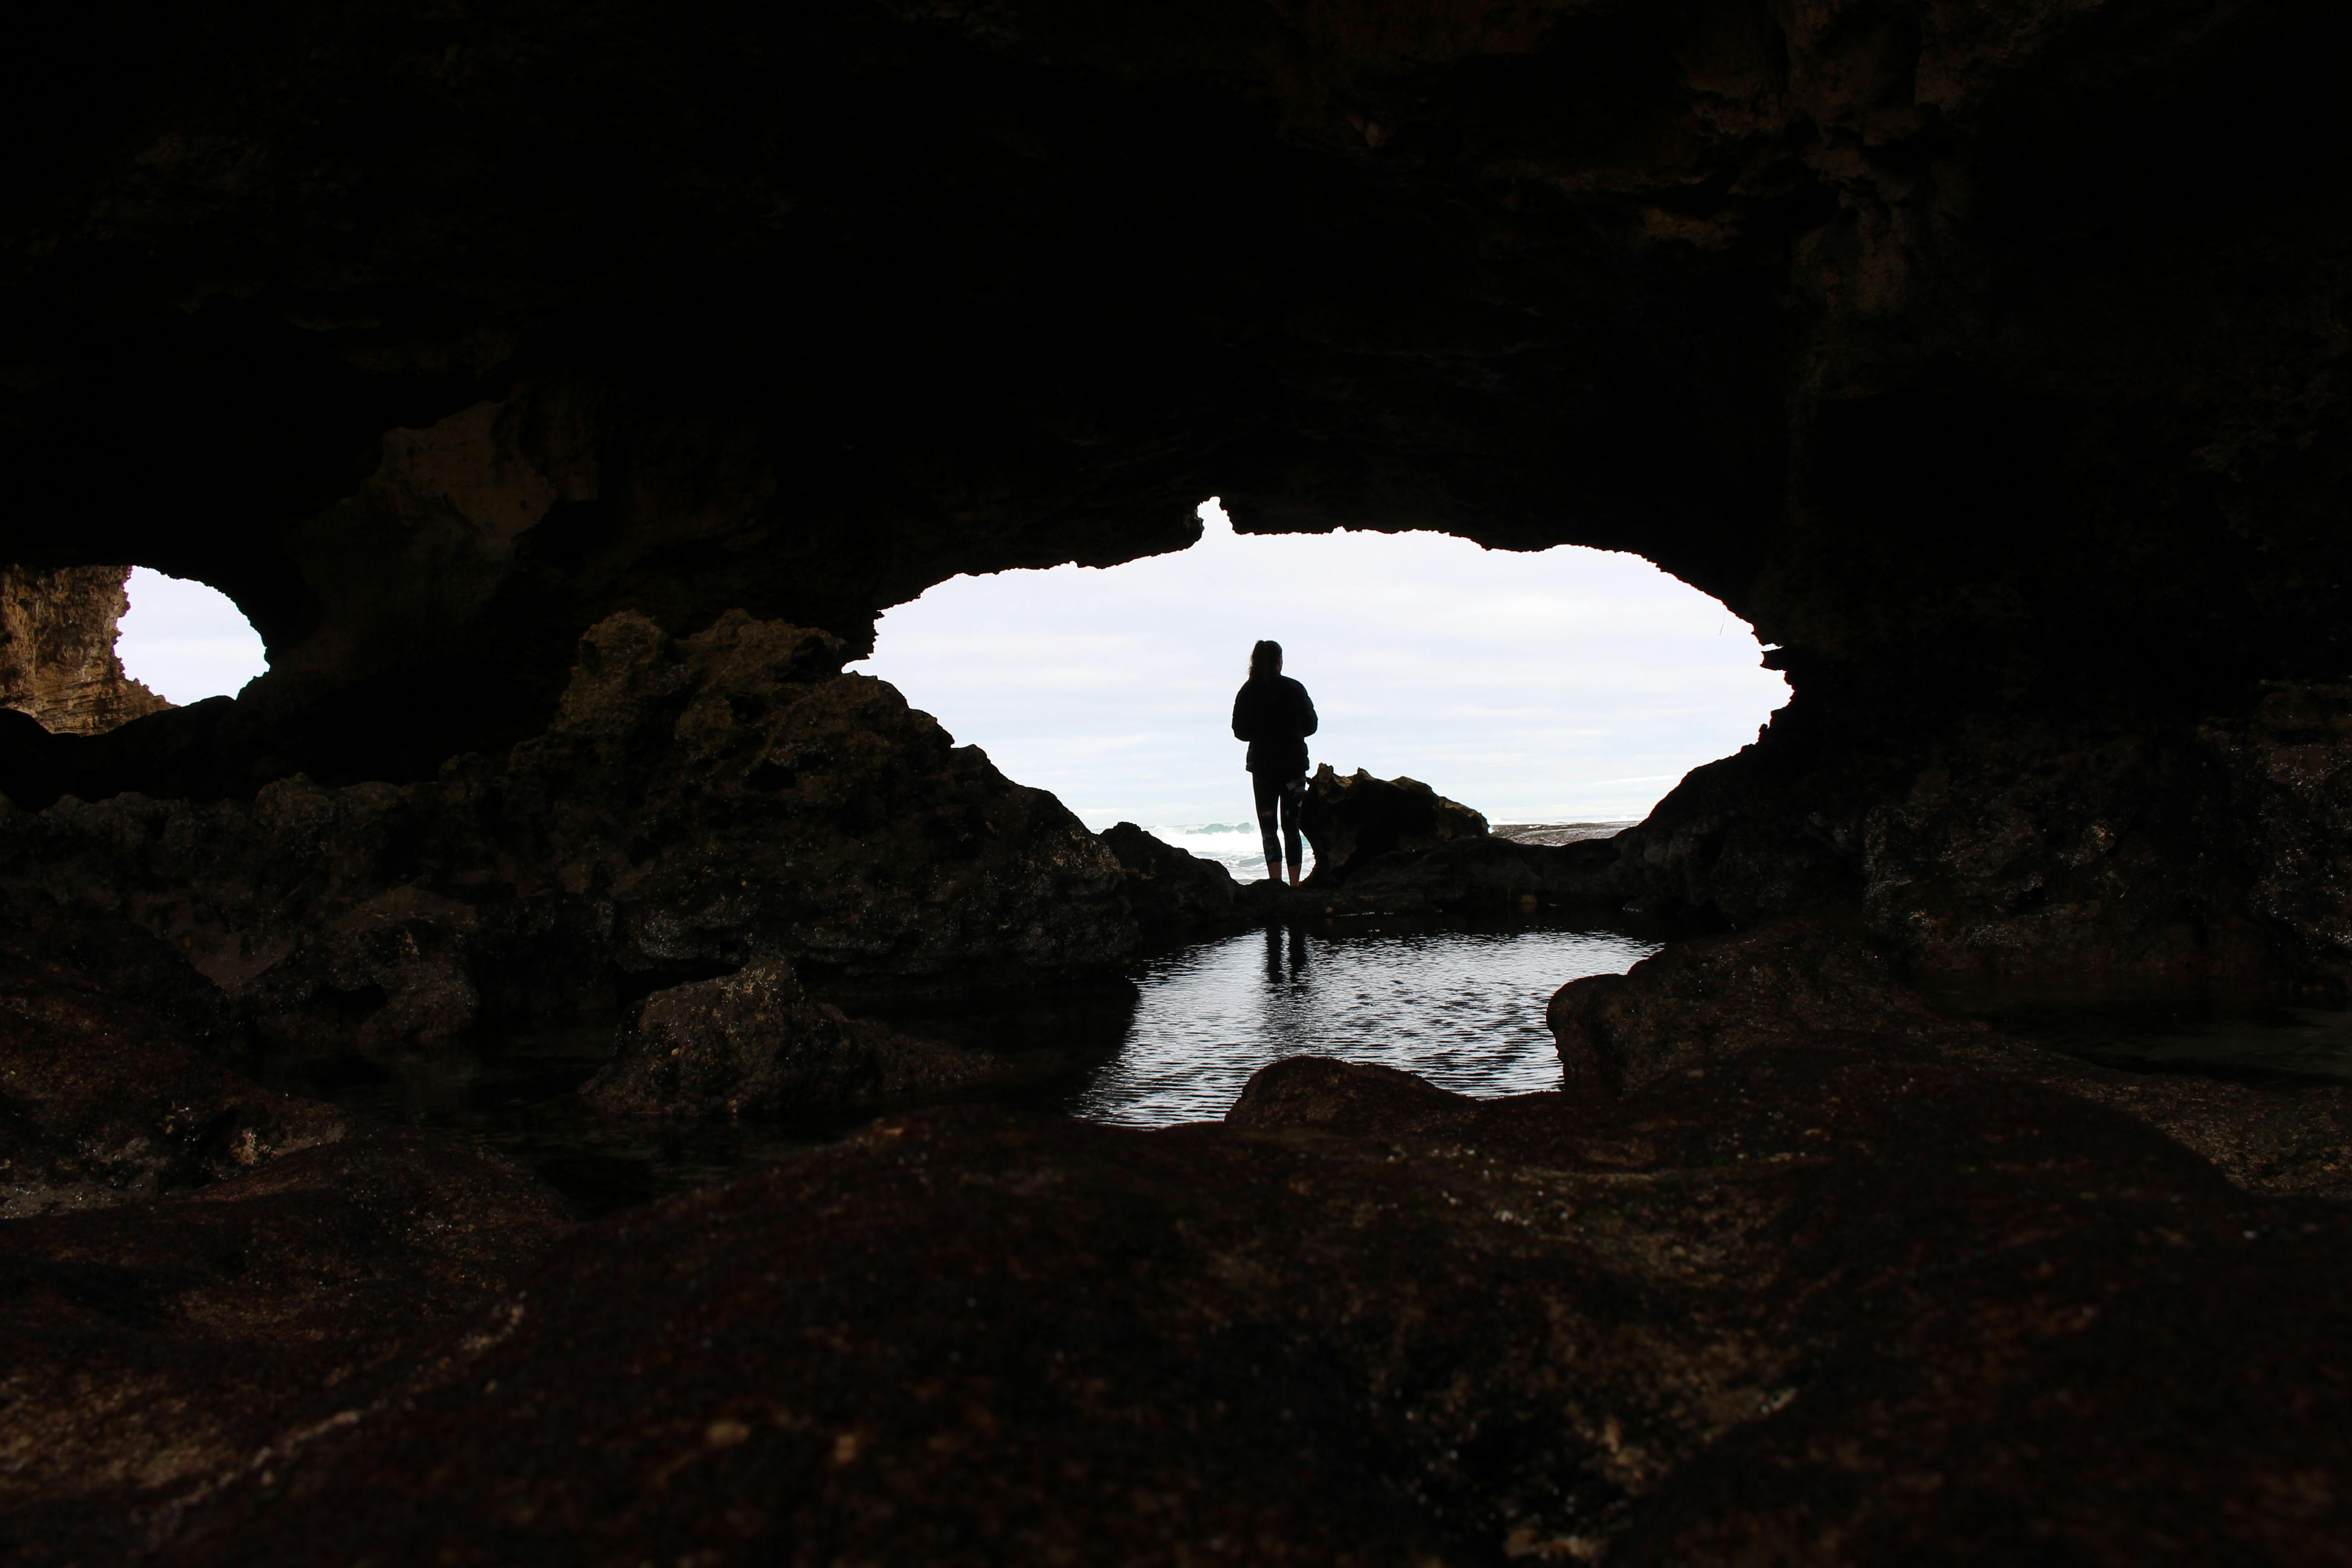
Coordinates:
(1275, 715)
(1276, 972)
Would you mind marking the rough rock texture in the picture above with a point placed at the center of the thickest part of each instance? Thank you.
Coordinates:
(2290, 770)
(56, 650)
(107, 1094)
(198, 1275)
(692, 806)
(2018, 850)
(1798, 985)
(155, 1351)
(1354, 820)
(1808, 1306)
(752, 1043)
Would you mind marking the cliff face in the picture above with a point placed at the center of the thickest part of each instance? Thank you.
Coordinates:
(56, 650)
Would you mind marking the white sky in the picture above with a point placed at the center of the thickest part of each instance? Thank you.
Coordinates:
(185, 641)
(1572, 684)
(1568, 686)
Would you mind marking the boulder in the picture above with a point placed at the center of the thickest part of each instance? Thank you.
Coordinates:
(1486, 876)
(1355, 819)
(1175, 894)
(754, 1044)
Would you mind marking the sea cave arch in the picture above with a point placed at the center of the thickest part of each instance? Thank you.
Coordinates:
(1925, 361)
(562, 392)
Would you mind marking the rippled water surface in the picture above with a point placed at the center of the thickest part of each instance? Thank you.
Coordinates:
(1463, 1008)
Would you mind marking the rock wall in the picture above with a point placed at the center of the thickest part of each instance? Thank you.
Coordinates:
(1984, 355)
(2171, 853)
(1987, 356)
(695, 804)
(56, 650)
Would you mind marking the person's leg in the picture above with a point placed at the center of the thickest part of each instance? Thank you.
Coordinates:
(1268, 793)
(1293, 801)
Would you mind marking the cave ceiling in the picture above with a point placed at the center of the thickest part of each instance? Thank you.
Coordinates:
(1982, 349)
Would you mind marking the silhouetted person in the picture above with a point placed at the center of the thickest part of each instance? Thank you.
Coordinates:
(1275, 715)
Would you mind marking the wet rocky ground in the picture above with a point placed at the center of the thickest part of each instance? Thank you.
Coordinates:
(1795, 1267)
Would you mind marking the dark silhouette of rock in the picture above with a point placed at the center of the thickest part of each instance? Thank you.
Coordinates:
(1813, 1302)
(1175, 894)
(1180, 897)
(1486, 876)
(754, 1044)
(56, 650)
(694, 803)
(1354, 820)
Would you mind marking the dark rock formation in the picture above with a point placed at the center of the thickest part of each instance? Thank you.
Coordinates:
(1812, 1305)
(1987, 358)
(155, 1352)
(2018, 850)
(1799, 985)
(1176, 894)
(693, 805)
(56, 650)
(1354, 820)
(1486, 876)
(1983, 357)
(1179, 897)
(753, 1043)
(105, 1094)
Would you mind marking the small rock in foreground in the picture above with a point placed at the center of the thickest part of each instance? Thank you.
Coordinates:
(753, 1043)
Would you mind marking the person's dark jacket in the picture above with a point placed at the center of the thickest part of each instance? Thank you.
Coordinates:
(1275, 715)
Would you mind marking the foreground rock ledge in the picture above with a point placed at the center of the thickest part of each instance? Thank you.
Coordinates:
(1798, 1304)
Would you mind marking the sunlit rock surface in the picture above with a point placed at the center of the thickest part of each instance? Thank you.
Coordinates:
(56, 650)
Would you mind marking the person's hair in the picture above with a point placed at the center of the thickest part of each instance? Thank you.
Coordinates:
(1265, 659)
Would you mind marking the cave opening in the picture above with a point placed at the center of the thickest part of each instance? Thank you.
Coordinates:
(186, 640)
(1568, 686)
